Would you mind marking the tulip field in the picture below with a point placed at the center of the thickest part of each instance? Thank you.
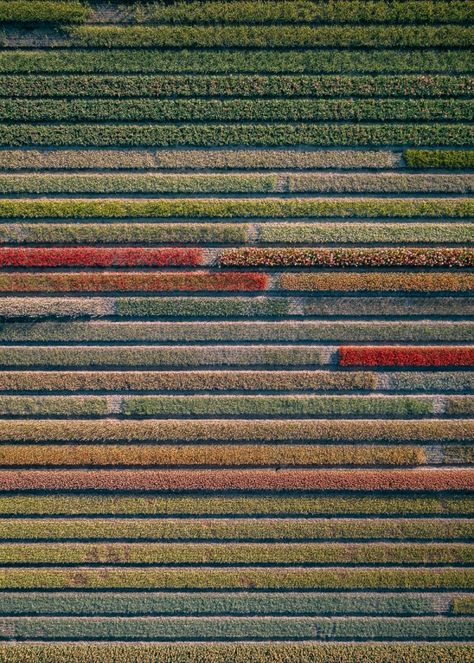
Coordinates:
(236, 331)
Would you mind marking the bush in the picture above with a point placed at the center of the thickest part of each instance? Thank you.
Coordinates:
(406, 356)
(439, 158)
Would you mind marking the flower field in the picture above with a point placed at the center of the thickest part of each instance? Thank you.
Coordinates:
(236, 339)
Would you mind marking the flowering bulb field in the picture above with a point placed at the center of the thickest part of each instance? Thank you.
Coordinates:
(236, 331)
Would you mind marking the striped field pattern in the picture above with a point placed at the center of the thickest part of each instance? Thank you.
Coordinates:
(236, 339)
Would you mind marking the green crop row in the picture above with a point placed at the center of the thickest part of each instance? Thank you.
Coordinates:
(211, 159)
(240, 85)
(87, 406)
(248, 406)
(219, 603)
(201, 135)
(190, 381)
(228, 183)
(295, 331)
(240, 578)
(231, 430)
(306, 11)
(242, 628)
(210, 455)
(374, 306)
(435, 381)
(149, 357)
(454, 159)
(272, 529)
(460, 406)
(318, 61)
(235, 208)
(235, 553)
(224, 505)
(463, 605)
(32, 11)
(237, 110)
(245, 36)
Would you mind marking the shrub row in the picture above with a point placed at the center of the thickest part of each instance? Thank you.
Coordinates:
(240, 578)
(303, 12)
(252, 479)
(463, 604)
(378, 183)
(231, 430)
(150, 233)
(228, 183)
(377, 306)
(130, 281)
(439, 158)
(434, 381)
(318, 61)
(237, 110)
(210, 159)
(235, 628)
(237, 207)
(255, 529)
(460, 405)
(240, 36)
(208, 455)
(86, 256)
(318, 233)
(345, 257)
(308, 330)
(32, 11)
(159, 183)
(236, 553)
(459, 455)
(232, 505)
(210, 603)
(379, 281)
(406, 356)
(186, 381)
(202, 135)
(11, 307)
(248, 406)
(147, 357)
(240, 85)
(83, 406)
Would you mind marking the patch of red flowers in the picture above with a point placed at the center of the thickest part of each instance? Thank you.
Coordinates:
(406, 356)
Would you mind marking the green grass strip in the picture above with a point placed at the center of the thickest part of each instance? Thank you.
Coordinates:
(243, 628)
(317, 61)
(240, 578)
(202, 135)
(248, 406)
(294, 330)
(54, 406)
(353, 233)
(32, 11)
(198, 307)
(237, 110)
(244, 36)
(210, 159)
(171, 381)
(235, 208)
(235, 553)
(130, 233)
(450, 159)
(241, 603)
(243, 11)
(148, 357)
(234, 529)
(252, 86)
(225, 505)
(231, 430)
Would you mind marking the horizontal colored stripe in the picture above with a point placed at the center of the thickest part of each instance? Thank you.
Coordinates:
(452, 159)
(379, 281)
(406, 356)
(97, 257)
(416, 479)
(205, 455)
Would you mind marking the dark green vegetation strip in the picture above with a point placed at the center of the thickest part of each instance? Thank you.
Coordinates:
(237, 653)
(199, 135)
(242, 36)
(235, 578)
(453, 159)
(234, 61)
(239, 86)
(235, 208)
(32, 11)
(237, 110)
(271, 529)
(242, 603)
(236, 628)
(308, 330)
(225, 505)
